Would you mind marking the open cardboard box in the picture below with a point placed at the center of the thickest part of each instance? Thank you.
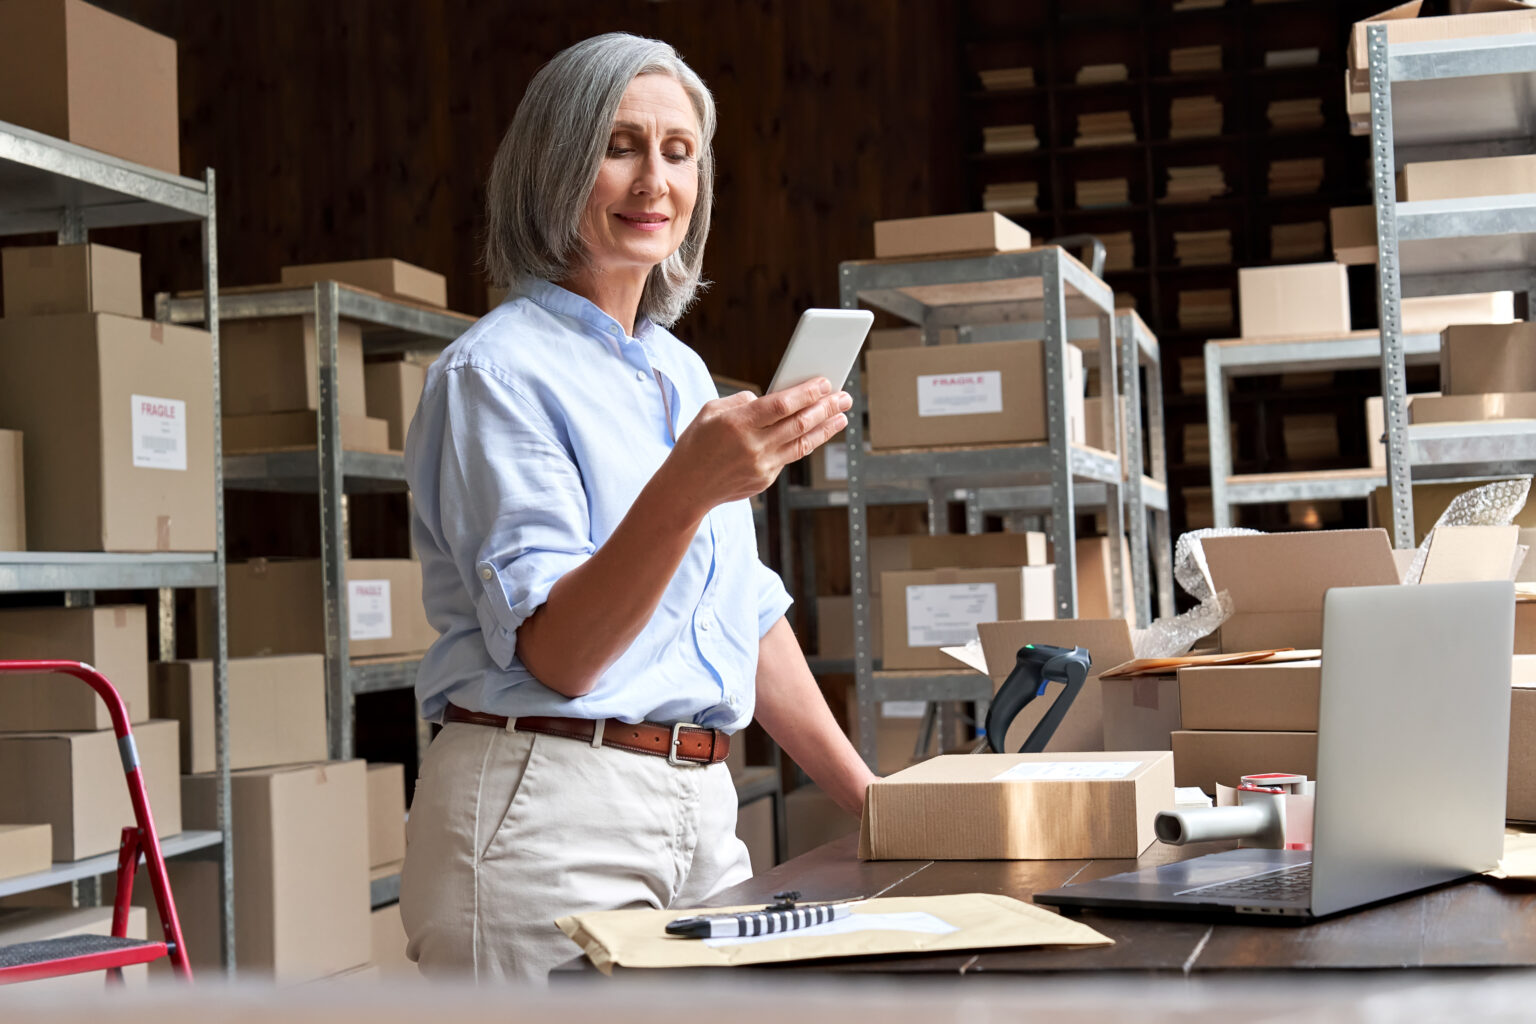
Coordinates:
(1469, 18)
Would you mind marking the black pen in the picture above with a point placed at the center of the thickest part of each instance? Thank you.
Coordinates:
(776, 919)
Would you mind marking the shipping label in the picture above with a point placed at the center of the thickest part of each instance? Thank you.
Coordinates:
(159, 432)
(960, 394)
(946, 614)
(903, 708)
(1067, 771)
(835, 461)
(368, 616)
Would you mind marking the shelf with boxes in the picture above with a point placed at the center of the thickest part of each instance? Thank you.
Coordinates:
(1460, 86)
(137, 507)
(303, 343)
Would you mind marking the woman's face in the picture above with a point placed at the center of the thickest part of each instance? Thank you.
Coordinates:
(639, 208)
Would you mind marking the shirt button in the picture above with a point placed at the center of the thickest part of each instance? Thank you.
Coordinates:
(640, 375)
(705, 623)
(486, 573)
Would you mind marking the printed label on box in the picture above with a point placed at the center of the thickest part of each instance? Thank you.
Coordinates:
(835, 461)
(1067, 771)
(368, 610)
(946, 614)
(159, 432)
(903, 708)
(960, 394)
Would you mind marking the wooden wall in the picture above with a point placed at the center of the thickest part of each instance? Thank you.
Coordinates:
(352, 128)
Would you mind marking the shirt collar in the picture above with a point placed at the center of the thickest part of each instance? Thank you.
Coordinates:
(567, 303)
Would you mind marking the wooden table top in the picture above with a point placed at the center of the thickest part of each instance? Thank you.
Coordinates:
(1479, 923)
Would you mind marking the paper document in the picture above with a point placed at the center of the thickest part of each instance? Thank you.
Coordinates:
(970, 655)
(1067, 771)
(910, 922)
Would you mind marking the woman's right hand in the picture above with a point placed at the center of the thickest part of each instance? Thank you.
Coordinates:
(736, 446)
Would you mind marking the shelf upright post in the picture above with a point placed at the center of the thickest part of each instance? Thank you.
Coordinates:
(1114, 494)
(1162, 530)
(858, 546)
(1218, 435)
(1063, 501)
(1389, 289)
(338, 689)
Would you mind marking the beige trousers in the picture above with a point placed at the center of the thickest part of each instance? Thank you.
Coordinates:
(510, 830)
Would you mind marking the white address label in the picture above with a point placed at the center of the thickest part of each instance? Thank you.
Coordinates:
(1067, 771)
(904, 708)
(368, 615)
(946, 614)
(835, 461)
(159, 432)
(960, 394)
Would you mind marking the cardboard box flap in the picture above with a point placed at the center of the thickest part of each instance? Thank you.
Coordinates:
(1288, 572)
(1466, 554)
(1468, 18)
(1108, 641)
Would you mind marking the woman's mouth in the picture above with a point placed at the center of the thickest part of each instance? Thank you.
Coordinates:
(644, 221)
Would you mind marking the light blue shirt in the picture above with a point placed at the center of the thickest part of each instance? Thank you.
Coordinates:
(537, 429)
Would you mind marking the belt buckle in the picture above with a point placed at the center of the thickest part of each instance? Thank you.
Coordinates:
(672, 758)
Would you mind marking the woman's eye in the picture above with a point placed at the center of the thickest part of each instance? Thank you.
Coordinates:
(619, 151)
(678, 156)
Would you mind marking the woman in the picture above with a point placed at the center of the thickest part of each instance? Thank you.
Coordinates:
(587, 547)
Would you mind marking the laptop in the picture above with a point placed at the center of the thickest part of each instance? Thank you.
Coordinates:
(1412, 763)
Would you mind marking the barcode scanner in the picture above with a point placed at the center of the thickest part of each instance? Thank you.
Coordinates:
(1037, 666)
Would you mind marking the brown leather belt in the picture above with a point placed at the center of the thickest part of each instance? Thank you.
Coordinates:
(680, 744)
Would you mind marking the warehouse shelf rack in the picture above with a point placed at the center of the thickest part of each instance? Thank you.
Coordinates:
(48, 185)
(1475, 95)
(389, 325)
(1044, 284)
(1228, 359)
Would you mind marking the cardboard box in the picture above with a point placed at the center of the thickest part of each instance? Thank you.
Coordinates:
(1458, 179)
(276, 710)
(25, 849)
(112, 638)
(1354, 234)
(73, 71)
(386, 814)
(1205, 758)
(1141, 714)
(13, 492)
(881, 338)
(947, 235)
(1519, 405)
(1431, 314)
(1300, 299)
(1108, 642)
(754, 827)
(272, 364)
(1094, 585)
(1525, 627)
(1491, 18)
(394, 389)
(1429, 501)
(44, 280)
(834, 626)
(1520, 798)
(393, 278)
(126, 462)
(814, 820)
(275, 606)
(1264, 698)
(75, 784)
(273, 430)
(977, 551)
(388, 942)
(39, 924)
(1093, 425)
(924, 610)
(301, 855)
(829, 464)
(1480, 359)
(983, 393)
(1277, 582)
(889, 554)
(1018, 807)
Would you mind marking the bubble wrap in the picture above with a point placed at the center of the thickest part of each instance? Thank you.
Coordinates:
(1494, 504)
(1171, 637)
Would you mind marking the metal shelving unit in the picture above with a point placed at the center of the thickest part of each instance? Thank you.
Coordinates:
(389, 326)
(1459, 98)
(1241, 357)
(1045, 285)
(48, 185)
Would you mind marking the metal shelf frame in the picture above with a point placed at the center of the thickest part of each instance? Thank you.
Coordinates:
(1228, 359)
(1474, 97)
(388, 326)
(1042, 284)
(48, 185)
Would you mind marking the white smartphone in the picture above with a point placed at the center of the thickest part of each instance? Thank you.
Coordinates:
(825, 344)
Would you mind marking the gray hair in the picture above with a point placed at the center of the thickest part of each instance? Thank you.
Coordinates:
(548, 161)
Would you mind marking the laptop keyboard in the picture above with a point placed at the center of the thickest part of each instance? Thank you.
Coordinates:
(1289, 884)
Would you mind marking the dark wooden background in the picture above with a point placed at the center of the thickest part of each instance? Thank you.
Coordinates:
(353, 128)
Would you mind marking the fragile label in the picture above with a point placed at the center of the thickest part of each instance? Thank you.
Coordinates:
(835, 461)
(946, 614)
(904, 708)
(368, 610)
(1067, 771)
(159, 432)
(960, 394)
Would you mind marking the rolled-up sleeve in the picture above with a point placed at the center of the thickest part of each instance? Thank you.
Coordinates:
(772, 599)
(510, 502)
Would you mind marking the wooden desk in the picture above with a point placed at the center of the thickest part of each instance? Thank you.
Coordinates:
(1479, 923)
